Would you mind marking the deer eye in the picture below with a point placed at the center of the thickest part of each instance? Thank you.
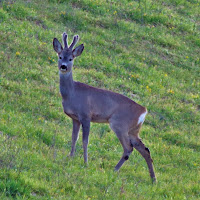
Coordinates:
(60, 57)
(70, 59)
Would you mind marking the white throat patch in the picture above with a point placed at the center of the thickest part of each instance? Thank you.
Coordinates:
(64, 73)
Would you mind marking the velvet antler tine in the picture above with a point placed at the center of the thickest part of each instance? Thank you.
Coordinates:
(75, 40)
(65, 40)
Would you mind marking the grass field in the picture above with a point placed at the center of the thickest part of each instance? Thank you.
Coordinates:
(147, 50)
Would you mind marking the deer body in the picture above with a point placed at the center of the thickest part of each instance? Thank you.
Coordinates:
(97, 105)
(86, 104)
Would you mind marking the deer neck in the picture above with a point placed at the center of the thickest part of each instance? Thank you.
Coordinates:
(66, 85)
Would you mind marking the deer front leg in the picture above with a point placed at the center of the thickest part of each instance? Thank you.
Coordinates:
(86, 131)
(75, 132)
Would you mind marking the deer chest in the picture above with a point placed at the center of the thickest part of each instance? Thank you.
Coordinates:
(71, 114)
(70, 111)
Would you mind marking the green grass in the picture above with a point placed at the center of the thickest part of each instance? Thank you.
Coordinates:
(146, 50)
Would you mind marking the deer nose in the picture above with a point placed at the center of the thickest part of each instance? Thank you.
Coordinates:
(63, 67)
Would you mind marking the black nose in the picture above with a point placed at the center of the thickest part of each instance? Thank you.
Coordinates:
(63, 67)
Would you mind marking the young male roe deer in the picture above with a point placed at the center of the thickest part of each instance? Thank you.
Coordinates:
(85, 104)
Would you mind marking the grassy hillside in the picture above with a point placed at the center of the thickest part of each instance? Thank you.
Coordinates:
(147, 50)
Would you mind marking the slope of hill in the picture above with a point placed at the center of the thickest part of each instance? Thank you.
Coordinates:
(147, 50)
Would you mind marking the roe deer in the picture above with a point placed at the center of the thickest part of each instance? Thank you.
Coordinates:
(85, 104)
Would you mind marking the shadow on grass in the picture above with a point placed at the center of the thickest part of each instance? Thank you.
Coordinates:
(179, 141)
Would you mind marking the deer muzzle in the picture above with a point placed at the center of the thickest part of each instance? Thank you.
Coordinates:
(63, 68)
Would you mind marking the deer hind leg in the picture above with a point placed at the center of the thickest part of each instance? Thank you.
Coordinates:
(124, 139)
(144, 151)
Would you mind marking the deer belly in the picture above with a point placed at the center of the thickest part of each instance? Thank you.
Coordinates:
(99, 119)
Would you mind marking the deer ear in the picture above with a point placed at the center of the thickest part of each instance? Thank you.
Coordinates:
(78, 50)
(57, 46)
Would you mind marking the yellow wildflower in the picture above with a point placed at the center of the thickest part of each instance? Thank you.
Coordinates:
(148, 88)
(17, 53)
(195, 96)
(170, 91)
(135, 76)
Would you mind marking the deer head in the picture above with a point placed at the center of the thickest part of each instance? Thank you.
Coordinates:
(67, 54)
